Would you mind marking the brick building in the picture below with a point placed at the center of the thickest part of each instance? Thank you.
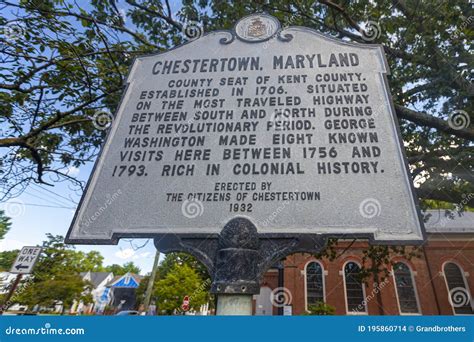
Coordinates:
(439, 281)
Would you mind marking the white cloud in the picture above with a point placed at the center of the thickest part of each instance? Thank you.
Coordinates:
(72, 171)
(144, 255)
(129, 253)
(9, 244)
(126, 253)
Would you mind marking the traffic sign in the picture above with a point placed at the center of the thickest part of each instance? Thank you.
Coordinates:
(26, 259)
(185, 305)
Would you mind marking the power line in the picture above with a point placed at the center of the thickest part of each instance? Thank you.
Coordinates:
(52, 192)
(47, 200)
(40, 205)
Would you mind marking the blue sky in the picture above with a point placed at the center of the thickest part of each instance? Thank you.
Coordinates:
(30, 223)
(38, 211)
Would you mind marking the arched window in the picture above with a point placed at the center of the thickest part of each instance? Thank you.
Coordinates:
(405, 289)
(355, 293)
(314, 283)
(458, 291)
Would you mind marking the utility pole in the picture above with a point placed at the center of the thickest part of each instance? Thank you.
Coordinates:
(281, 282)
(151, 281)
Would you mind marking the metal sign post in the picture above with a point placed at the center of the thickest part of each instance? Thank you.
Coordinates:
(12, 290)
(151, 282)
(238, 258)
(23, 264)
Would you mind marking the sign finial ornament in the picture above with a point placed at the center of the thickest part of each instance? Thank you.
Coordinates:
(257, 27)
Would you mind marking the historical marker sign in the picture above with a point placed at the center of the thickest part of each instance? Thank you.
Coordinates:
(289, 128)
(26, 260)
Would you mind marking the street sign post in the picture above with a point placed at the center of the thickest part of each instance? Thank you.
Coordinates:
(26, 260)
(243, 146)
(24, 263)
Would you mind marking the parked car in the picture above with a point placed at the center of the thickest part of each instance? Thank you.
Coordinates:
(127, 313)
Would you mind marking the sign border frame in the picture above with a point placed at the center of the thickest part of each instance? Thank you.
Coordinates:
(32, 265)
(114, 239)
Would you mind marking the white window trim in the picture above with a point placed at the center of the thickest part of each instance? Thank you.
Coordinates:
(324, 274)
(466, 285)
(412, 275)
(366, 310)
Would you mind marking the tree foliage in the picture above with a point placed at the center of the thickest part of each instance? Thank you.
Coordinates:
(128, 267)
(61, 63)
(168, 266)
(57, 278)
(6, 259)
(181, 280)
(5, 224)
(62, 289)
(173, 259)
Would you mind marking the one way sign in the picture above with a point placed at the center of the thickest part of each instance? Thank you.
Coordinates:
(25, 260)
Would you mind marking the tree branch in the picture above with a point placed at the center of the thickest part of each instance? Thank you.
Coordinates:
(424, 119)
